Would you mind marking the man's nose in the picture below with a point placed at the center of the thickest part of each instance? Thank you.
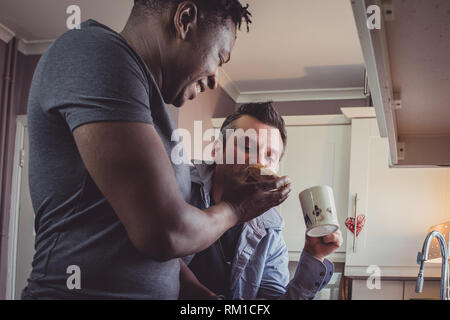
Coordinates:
(262, 159)
(213, 81)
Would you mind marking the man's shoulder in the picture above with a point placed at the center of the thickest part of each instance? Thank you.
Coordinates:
(87, 32)
(90, 61)
(94, 42)
(270, 219)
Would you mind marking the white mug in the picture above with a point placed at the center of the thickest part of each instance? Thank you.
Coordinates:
(319, 211)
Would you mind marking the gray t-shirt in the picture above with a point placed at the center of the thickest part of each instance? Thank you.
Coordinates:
(90, 75)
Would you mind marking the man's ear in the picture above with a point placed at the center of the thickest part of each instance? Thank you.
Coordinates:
(185, 18)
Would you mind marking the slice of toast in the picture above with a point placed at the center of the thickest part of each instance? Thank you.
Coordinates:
(258, 172)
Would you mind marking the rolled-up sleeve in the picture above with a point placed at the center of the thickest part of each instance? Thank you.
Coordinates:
(310, 277)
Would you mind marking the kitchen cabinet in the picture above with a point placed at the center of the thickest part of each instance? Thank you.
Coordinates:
(431, 290)
(389, 290)
(400, 204)
(409, 75)
(315, 155)
(395, 290)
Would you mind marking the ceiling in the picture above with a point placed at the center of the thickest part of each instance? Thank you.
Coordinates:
(292, 44)
(298, 44)
(34, 20)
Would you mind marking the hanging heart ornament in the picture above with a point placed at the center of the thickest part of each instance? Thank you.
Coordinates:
(350, 223)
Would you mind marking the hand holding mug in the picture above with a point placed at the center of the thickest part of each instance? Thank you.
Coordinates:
(321, 247)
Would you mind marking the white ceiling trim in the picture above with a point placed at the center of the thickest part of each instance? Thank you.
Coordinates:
(6, 34)
(34, 47)
(302, 95)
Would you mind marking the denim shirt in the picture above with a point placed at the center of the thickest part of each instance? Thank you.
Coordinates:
(260, 265)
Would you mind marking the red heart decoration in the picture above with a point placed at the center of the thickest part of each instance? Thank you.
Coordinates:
(350, 223)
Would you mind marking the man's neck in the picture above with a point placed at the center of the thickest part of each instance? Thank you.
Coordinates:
(150, 48)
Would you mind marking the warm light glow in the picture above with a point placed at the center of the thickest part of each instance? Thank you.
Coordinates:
(434, 255)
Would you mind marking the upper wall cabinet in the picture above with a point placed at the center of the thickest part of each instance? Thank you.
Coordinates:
(406, 47)
(393, 207)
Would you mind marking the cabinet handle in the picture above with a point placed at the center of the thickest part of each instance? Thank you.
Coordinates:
(355, 249)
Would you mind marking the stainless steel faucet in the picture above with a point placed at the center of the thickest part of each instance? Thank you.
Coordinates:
(423, 256)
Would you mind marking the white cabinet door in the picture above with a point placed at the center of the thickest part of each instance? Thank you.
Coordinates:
(315, 155)
(430, 290)
(400, 205)
(21, 235)
(395, 290)
(389, 290)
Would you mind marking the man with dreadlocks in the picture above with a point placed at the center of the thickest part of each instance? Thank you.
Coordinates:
(112, 212)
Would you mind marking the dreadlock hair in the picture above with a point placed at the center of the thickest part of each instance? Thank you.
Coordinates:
(264, 112)
(209, 10)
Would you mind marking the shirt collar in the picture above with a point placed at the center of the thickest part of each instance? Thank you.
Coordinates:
(204, 175)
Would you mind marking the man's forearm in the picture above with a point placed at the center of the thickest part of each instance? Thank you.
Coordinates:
(196, 230)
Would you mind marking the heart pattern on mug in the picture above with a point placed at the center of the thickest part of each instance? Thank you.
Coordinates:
(350, 223)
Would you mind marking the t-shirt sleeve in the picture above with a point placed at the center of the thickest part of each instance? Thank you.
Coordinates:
(93, 76)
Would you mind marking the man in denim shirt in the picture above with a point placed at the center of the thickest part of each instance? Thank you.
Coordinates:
(250, 261)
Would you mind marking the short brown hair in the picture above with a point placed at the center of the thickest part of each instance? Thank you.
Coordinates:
(264, 112)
